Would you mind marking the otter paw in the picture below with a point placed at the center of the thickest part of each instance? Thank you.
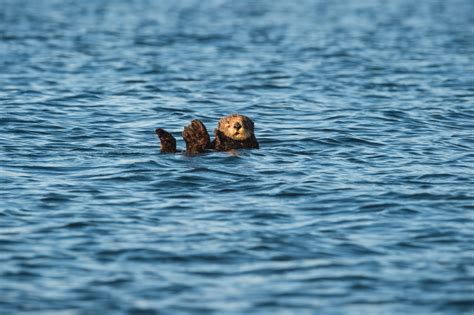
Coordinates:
(220, 140)
(196, 137)
(167, 141)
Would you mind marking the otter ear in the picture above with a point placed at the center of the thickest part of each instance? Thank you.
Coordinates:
(250, 123)
(222, 123)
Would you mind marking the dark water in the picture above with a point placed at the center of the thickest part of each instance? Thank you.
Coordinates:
(360, 200)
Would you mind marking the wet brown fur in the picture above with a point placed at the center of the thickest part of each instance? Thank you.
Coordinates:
(232, 132)
(167, 141)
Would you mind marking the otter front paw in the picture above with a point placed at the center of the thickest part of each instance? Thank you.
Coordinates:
(196, 137)
(219, 141)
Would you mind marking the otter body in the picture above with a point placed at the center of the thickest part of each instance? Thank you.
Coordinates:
(232, 132)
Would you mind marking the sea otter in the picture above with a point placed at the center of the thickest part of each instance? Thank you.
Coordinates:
(232, 132)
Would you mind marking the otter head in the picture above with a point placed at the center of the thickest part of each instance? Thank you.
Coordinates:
(236, 127)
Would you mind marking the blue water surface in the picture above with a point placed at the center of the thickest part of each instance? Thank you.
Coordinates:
(360, 200)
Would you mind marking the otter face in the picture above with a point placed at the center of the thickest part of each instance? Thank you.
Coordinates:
(236, 127)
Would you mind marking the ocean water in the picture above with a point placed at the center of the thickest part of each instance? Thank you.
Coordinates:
(360, 200)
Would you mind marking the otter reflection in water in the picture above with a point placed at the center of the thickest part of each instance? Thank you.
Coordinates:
(232, 132)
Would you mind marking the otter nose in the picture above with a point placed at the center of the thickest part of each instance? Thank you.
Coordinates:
(237, 126)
